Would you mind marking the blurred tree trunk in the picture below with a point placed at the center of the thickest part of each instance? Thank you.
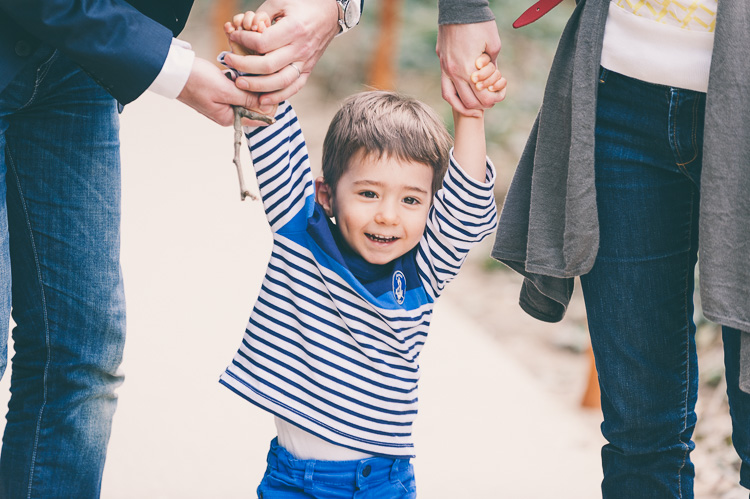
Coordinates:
(592, 395)
(223, 11)
(383, 66)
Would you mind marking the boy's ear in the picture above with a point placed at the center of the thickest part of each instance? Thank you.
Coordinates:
(324, 196)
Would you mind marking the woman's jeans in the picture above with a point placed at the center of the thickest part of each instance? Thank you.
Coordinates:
(59, 269)
(639, 294)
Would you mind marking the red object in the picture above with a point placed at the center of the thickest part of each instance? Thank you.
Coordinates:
(535, 12)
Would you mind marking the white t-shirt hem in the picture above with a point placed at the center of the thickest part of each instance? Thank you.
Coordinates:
(654, 52)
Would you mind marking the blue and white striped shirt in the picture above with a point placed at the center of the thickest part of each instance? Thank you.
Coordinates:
(333, 341)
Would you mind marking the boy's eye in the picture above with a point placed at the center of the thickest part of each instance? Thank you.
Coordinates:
(368, 194)
(411, 200)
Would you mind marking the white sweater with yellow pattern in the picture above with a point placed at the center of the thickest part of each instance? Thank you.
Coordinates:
(666, 42)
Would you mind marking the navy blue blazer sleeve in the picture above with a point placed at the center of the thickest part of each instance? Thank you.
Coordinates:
(121, 48)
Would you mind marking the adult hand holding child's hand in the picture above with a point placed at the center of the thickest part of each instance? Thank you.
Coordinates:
(457, 47)
(284, 53)
(258, 23)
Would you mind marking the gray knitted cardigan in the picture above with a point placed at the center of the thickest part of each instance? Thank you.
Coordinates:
(549, 229)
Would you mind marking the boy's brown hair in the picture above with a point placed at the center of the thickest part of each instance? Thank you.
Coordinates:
(386, 123)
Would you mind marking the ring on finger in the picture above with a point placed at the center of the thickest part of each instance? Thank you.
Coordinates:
(299, 73)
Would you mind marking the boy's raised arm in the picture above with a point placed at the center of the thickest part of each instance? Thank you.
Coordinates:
(470, 149)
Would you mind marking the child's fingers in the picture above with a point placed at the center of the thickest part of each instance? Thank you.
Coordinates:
(262, 21)
(491, 80)
(482, 61)
(498, 85)
(483, 74)
(248, 21)
(230, 28)
(494, 83)
(237, 20)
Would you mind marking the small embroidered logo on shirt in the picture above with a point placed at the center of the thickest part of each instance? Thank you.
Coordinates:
(399, 286)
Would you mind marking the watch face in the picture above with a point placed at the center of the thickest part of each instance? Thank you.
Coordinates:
(351, 13)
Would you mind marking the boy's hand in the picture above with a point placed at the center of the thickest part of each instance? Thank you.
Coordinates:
(250, 21)
(469, 145)
(247, 21)
(487, 76)
(300, 32)
(457, 46)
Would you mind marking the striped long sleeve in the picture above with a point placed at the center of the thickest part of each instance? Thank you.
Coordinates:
(282, 166)
(463, 213)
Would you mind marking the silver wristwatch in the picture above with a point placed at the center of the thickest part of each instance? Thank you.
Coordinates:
(349, 14)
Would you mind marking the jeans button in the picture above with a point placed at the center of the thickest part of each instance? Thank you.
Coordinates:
(23, 49)
(366, 471)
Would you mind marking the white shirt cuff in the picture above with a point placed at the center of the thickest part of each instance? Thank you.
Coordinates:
(174, 74)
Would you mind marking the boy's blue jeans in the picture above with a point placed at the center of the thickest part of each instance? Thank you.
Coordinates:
(59, 267)
(373, 478)
(639, 294)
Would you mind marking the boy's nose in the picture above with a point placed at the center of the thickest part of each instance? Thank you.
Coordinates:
(387, 215)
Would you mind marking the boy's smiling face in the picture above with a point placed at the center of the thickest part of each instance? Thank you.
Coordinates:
(380, 205)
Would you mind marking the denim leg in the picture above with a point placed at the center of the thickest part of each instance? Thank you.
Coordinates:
(639, 293)
(5, 278)
(62, 157)
(739, 402)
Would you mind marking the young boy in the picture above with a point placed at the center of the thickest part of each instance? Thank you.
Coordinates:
(359, 257)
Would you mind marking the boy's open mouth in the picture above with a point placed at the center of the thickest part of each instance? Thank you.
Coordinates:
(381, 239)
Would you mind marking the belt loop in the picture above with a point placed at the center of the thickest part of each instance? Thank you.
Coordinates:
(394, 470)
(603, 73)
(359, 478)
(309, 469)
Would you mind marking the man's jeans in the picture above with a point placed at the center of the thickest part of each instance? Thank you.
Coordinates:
(639, 294)
(59, 246)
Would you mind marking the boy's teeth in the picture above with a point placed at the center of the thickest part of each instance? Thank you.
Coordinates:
(381, 238)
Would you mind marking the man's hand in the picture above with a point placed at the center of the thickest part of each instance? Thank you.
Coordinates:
(212, 94)
(458, 46)
(301, 32)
